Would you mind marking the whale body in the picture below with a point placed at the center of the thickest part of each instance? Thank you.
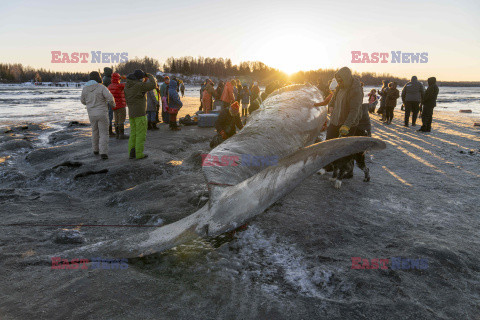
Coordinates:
(284, 127)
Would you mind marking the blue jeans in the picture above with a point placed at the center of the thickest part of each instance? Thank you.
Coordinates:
(151, 116)
(110, 116)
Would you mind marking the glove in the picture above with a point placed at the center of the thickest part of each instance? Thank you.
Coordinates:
(344, 130)
(223, 134)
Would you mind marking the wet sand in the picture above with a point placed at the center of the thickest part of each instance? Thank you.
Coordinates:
(292, 262)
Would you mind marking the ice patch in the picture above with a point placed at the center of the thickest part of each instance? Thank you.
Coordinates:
(392, 205)
(279, 264)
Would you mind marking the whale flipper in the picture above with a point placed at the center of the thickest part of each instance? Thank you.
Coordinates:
(251, 197)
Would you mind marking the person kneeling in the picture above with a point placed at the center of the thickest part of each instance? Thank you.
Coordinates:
(227, 123)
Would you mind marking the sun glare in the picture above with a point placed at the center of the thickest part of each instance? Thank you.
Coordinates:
(291, 53)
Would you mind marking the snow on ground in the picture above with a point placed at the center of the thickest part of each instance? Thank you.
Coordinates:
(293, 261)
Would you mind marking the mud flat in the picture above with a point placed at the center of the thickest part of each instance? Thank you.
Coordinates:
(292, 262)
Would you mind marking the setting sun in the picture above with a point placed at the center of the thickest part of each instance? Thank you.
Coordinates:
(293, 52)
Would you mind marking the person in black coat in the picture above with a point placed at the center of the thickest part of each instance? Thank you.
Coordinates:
(429, 102)
(227, 123)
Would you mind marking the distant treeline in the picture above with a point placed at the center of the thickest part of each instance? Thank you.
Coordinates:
(149, 65)
(16, 72)
(222, 68)
(206, 67)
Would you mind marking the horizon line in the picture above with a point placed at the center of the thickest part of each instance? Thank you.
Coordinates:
(103, 65)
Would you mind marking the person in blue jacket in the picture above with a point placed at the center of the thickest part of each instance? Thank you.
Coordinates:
(174, 104)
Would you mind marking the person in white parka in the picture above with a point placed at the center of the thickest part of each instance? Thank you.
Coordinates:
(97, 98)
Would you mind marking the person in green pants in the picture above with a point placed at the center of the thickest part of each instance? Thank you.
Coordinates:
(135, 95)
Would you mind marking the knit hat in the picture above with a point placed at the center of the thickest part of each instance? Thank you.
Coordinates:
(139, 74)
(235, 107)
(115, 77)
(107, 71)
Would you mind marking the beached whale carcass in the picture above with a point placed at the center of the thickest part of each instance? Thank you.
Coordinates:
(285, 126)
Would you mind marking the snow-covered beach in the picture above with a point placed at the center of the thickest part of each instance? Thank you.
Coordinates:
(294, 261)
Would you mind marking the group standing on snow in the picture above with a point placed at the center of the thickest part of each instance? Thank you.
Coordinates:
(415, 100)
(107, 100)
(226, 93)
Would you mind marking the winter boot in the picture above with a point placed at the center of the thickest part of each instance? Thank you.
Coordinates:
(122, 135)
(173, 122)
(175, 127)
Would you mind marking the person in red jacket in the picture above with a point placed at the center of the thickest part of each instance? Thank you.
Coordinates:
(120, 111)
(228, 96)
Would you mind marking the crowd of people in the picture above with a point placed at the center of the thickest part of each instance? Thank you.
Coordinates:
(415, 100)
(107, 99)
(349, 116)
(226, 93)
